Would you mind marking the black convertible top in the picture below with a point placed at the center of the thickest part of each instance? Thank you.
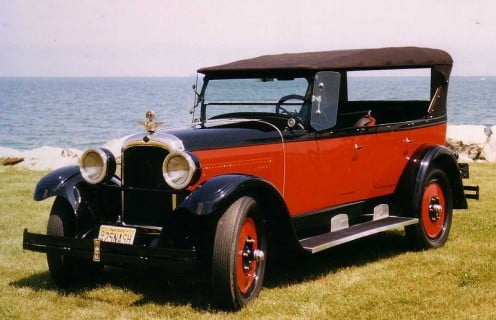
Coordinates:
(353, 59)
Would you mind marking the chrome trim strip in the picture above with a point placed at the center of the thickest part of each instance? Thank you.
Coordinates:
(163, 140)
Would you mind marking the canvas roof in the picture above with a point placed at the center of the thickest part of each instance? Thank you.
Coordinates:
(353, 59)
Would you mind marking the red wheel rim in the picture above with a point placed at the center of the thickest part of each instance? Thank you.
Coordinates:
(246, 265)
(433, 210)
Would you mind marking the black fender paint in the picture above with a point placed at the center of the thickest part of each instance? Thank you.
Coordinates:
(213, 197)
(217, 193)
(60, 182)
(409, 189)
(444, 159)
(65, 182)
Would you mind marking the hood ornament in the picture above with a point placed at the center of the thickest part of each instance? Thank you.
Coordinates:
(151, 125)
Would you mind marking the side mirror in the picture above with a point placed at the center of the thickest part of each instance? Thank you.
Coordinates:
(325, 99)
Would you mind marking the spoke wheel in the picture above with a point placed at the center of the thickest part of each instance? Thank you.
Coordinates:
(434, 211)
(238, 263)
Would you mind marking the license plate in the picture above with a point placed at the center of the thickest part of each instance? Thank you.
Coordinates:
(116, 234)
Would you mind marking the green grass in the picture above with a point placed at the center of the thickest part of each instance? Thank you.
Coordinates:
(377, 277)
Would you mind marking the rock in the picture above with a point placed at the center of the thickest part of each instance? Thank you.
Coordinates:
(472, 143)
(466, 152)
(469, 134)
(44, 158)
(12, 161)
(489, 150)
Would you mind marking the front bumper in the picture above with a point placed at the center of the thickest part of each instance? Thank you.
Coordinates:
(112, 253)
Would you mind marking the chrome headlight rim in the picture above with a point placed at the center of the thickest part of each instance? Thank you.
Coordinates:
(97, 165)
(182, 178)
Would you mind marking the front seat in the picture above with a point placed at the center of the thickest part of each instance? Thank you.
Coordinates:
(366, 121)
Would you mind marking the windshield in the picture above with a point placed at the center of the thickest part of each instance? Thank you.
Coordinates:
(242, 97)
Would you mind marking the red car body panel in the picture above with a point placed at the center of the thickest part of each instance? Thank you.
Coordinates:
(356, 167)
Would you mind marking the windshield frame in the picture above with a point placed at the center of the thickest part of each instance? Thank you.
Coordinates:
(246, 113)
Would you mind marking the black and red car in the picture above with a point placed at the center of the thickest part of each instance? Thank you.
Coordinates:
(281, 156)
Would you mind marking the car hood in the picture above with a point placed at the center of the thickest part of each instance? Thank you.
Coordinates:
(216, 134)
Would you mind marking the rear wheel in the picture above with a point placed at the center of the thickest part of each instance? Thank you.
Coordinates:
(238, 263)
(435, 210)
(66, 270)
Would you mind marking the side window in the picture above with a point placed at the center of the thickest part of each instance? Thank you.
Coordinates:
(390, 96)
(325, 99)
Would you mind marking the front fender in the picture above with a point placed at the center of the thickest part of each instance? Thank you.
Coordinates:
(216, 194)
(67, 183)
(206, 204)
(60, 182)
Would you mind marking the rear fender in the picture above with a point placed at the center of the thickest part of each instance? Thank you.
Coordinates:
(409, 189)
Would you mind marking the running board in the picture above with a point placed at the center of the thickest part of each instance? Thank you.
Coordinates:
(331, 239)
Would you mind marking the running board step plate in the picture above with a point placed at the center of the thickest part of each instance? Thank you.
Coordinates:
(331, 239)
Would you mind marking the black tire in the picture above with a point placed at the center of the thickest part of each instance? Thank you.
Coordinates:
(434, 208)
(66, 271)
(238, 262)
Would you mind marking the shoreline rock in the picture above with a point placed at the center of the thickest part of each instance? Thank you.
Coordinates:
(43, 158)
(471, 142)
(11, 161)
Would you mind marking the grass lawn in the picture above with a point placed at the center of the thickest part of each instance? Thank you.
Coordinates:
(374, 278)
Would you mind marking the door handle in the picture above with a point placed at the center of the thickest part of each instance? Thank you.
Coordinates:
(358, 147)
(407, 140)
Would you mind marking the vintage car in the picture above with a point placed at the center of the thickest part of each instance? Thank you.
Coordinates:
(280, 158)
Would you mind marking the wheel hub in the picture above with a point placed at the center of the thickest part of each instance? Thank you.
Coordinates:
(251, 255)
(435, 209)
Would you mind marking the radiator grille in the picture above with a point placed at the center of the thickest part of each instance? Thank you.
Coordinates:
(145, 202)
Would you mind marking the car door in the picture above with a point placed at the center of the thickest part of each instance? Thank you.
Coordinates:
(327, 171)
(327, 167)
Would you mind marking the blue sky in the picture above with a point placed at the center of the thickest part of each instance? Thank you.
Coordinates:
(175, 38)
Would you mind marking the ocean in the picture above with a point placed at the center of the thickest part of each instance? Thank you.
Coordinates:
(85, 112)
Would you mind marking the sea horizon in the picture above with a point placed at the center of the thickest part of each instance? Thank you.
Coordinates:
(81, 112)
(193, 75)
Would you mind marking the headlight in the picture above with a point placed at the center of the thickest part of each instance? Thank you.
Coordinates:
(180, 169)
(97, 165)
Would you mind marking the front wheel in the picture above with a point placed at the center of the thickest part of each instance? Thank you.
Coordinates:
(434, 210)
(66, 271)
(238, 262)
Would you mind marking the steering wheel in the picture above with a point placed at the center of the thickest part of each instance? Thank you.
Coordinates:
(294, 119)
(280, 109)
